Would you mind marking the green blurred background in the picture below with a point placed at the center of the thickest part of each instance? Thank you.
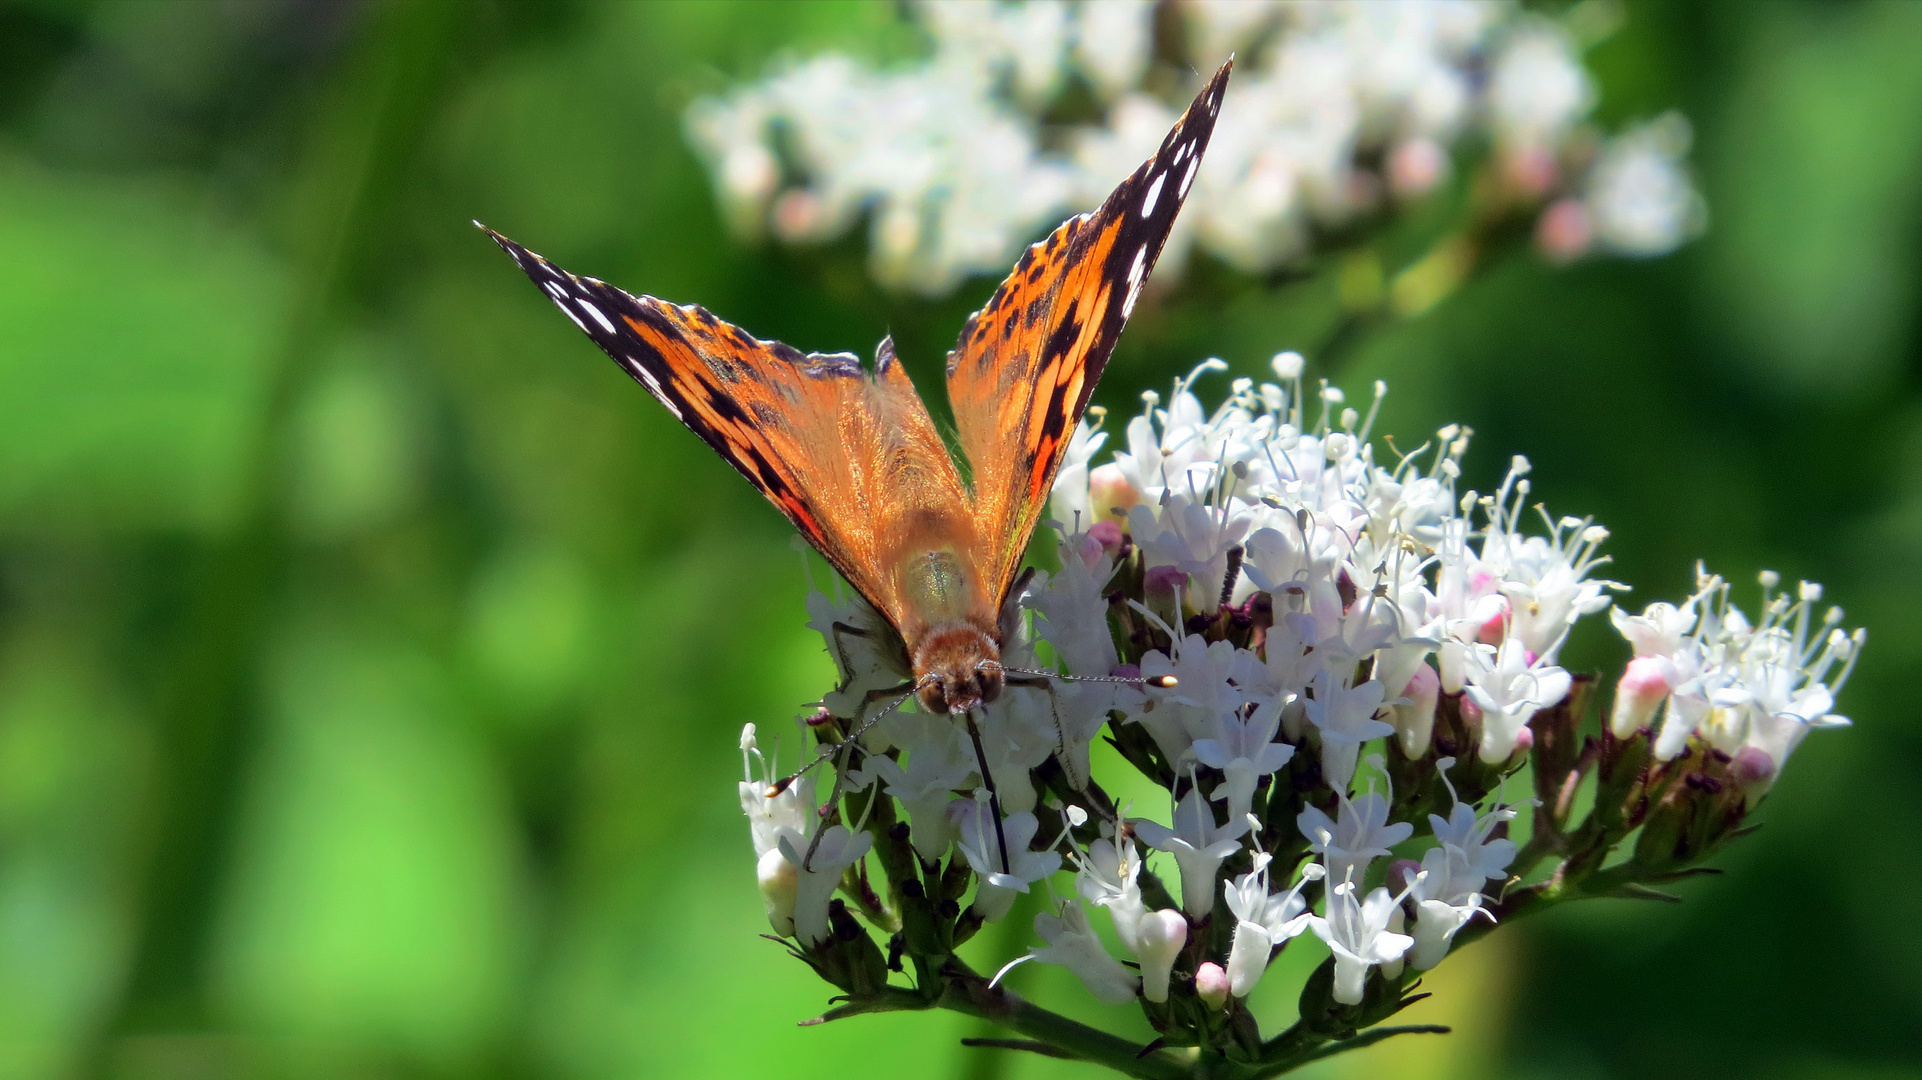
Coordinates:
(372, 652)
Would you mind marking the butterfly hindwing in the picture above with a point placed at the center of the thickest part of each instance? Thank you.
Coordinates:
(1026, 363)
(850, 457)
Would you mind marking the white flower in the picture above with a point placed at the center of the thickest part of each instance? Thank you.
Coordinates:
(1262, 921)
(1415, 717)
(1190, 537)
(1212, 678)
(1639, 197)
(973, 824)
(1072, 944)
(1197, 844)
(1509, 690)
(1073, 607)
(817, 880)
(1537, 89)
(1110, 876)
(1545, 581)
(1448, 891)
(1361, 935)
(1361, 834)
(939, 761)
(1763, 685)
(1162, 934)
(944, 159)
(1245, 752)
(1345, 717)
(767, 816)
(1112, 46)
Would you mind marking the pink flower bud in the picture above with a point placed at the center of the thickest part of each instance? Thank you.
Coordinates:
(1211, 985)
(1109, 491)
(1108, 534)
(1752, 770)
(1158, 941)
(1495, 627)
(1563, 233)
(1643, 685)
(1401, 875)
(1415, 721)
(1415, 167)
(1088, 549)
(1531, 170)
(1164, 580)
(1524, 742)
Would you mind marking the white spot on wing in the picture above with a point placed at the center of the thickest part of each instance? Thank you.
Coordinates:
(598, 316)
(554, 290)
(1154, 193)
(569, 312)
(1188, 178)
(654, 387)
(1134, 281)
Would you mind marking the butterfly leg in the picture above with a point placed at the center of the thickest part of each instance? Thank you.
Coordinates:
(841, 650)
(1080, 784)
(987, 781)
(843, 755)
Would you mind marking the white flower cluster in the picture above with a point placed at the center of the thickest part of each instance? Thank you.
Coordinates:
(1317, 608)
(958, 160)
(1749, 690)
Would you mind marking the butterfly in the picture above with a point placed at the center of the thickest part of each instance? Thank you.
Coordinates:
(852, 457)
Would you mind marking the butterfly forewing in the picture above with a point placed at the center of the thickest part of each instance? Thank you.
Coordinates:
(850, 457)
(1026, 363)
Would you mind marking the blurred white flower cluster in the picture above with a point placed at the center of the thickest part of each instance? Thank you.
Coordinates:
(1025, 112)
(1362, 653)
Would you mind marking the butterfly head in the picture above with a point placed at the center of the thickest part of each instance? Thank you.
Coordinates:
(958, 669)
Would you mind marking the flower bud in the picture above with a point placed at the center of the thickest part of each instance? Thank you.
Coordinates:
(1752, 770)
(779, 879)
(1415, 721)
(1564, 233)
(1108, 534)
(1639, 692)
(1088, 548)
(1401, 875)
(1248, 957)
(1164, 580)
(1415, 166)
(1211, 985)
(1109, 491)
(1159, 940)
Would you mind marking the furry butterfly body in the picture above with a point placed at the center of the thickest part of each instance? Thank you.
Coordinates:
(852, 457)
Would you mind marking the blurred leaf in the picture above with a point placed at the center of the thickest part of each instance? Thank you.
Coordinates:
(134, 359)
(70, 772)
(353, 461)
(1817, 195)
(374, 901)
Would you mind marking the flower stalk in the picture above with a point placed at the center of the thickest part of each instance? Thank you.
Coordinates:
(1352, 663)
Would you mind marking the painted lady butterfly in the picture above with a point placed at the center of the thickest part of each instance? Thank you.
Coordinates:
(852, 457)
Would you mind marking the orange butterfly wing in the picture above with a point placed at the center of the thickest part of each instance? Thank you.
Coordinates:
(1026, 363)
(851, 458)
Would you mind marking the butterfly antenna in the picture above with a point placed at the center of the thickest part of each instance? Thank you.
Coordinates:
(1159, 682)
(785, 782)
